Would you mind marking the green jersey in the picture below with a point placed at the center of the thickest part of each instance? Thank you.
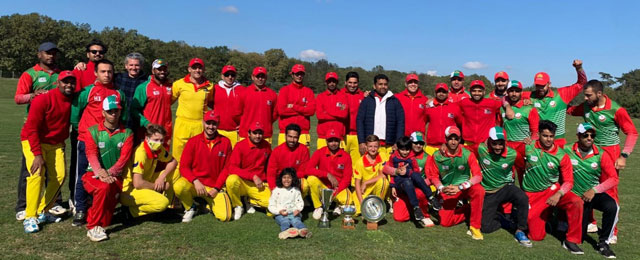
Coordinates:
(543, 168)
(496, 169)
(41, 80)
(586, 171)
(604, 121)
(109, 145)
(552, 108)
(519, 127)
(453, 170)
(421, 163)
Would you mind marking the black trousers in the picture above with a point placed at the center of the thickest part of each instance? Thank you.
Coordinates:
(609, 208)
(508, 193)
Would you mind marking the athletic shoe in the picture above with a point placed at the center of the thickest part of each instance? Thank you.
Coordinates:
(435, 203)
(613, 240)
(426, 222)
(237, 212)
(592, 228)
(251, 210)
(292, 232)
(48, 218)
(188, 214)
(417, 213)
(305, 233)
(317, 213)
(20, 215)
(79, 219)
(283, 235)
(572, 247)
(475, 233)
(605, 251)
(97, 234)
(57, 210)
(337, 211)
(522, 238)
(30, 225)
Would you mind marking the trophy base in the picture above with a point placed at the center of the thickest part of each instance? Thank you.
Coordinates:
(348, 224)
(372, 226)
(324, 224)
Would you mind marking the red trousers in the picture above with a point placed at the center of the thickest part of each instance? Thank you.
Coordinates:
(105, 199)
(539, 212)
(401, 211)
(450, 215)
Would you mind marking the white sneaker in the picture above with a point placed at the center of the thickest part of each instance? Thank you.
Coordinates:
(30, 225)
(613, 240)
(97, 234)
(188, 215)
(592, 228)
(337, 211)
(57, 210)
(427, 222)
(317, 213)
(48, 218)
(251, 210)
(72, 207)
(20, 215)
(237, 212)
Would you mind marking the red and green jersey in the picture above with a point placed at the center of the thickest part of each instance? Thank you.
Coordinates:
(152, 104)
(86, 109)
(422, 161)
(586, 171)
(545, 168)
(110, 144)
(35, 78)
(496, 169)
(524, 123)
(453, 170)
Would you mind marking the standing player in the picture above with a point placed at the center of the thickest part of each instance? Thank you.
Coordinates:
(354, 98)
(457, 91)
(330, 168)
(247, 171)
(414, 104)
(552, 102)
(501, 80)
(368, 175)
(440, 114)
(128, 82)
(203, 164)
(43, 136)
(496, 161)
(455, 172)
(152, 102)
(296, 104)
(548, 180)
(331, 110)
(109, 147)
(227, 95)
(84, 71)
(291, 154)
(259, 105)
(522, 129)
(192, 94)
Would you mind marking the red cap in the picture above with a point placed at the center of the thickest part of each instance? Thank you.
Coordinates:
(457, 73)
(442, 86)
(211, 115)
(256, 126)
(541, 78)
(332, 134)
(259, 70)
(65, 74)
(227, 68)
(451, 130)
(331, 75)
(411, 77)
(501, 74)
(476, 83)
(196, 61)
(297, 68)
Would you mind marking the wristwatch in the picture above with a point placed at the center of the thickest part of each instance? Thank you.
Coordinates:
(624, 155)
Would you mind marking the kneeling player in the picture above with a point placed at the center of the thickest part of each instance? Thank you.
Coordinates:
(496, 161)
(367, 174)
(455, 171)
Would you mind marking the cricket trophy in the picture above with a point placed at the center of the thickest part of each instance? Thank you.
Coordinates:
(373, 210)
(326, 199)
(347, 221)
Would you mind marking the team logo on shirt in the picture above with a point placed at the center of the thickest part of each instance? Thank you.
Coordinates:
(156, 93)
(120, 144)
(445, 167)
(421, 106)
(297, 162)
(168, 90)
(594, 165)
(487, 111)
(574, 162)
(518, 115)
(269, 102)
(221, 154)
(101, 145)
(587, 114)
(304, 100)
(486, 161)
(461, 167)
(42, 79)
(504, 165)
(533, 158)
(340, 166)
(602, 118)
(97, 98)
(552, 103)
(551, 165)
(537, 104)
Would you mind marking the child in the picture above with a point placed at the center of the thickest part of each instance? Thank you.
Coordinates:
(367, 174)
(286, 204)
(407, 177)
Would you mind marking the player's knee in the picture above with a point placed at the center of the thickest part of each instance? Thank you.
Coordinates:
(160, 204)
(232, 180)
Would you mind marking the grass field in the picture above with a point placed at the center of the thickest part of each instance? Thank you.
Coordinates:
(255, 236)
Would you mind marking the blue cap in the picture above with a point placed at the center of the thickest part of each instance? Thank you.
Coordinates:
(47, 46)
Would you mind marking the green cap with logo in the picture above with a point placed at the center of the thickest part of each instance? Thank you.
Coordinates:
(110, 102)
(417, 137)
(584, 127)
(497, 133)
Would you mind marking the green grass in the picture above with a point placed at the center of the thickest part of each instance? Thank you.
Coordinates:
(255, 236)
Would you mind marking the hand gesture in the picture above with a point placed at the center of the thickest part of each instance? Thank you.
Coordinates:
(402, 170)
(80, 66)
(577, 64)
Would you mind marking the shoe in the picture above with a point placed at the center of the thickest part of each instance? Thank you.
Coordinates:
(390, 201)
(605, 251)
(48, 218)
(572, 247)
(79, 219)
(292, 232)
(188, 215)
(57, 210)
(283, 235)
(417, 213)
(337, 211)
(251, 210)
(30, 225)
(237, 212)
(522, 238)
(97, 234)
(592, 228)
(427, 222)
(613, 240)
(305, 233)
(435, 203)
(20, 215)
(317, 213)
(475, 233)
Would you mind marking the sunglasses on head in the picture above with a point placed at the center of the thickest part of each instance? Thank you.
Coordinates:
(97, 51)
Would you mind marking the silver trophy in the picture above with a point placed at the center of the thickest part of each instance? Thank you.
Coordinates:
(347, 221)
(326, 199)
(373, 210)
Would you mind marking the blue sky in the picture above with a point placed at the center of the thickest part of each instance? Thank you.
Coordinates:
(483, 37)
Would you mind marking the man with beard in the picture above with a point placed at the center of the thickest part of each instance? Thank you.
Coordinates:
(331, 110)
(414, 104)
(227, 95)
(501, 81)
(354, 97)
(289, 155)
(84, 71)
(129, 80)
(259, 105)
(440, 115)
(296, 104)
(457, 91)
(152, 102)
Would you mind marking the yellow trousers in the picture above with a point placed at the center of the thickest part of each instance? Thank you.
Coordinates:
(238, 187)
(379, 188)
(232, 135)
(183, 130)
(304, 139)
(430, 150)
(352, 147)
(322, 142)
(144, 201)
(49, 178)
(315, 188)
(220, 205)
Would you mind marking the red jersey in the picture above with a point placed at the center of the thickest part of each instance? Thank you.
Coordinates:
(27, 84)
(478, 118)
(282, 157)
(353, 103)
(259, 105)
(339, 165)
(304, 105)
(458, 96)
(86, 109)
(49, 122)
(332, 112)
(248, 159)
(227, 102)
(440, 116)
(206, 160)
(152, 104)
(415, 108)
(85, 77)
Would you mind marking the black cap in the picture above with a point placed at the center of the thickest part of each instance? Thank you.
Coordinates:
(47, 46)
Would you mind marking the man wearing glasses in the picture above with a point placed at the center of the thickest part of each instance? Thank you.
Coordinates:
(227, 97)
(84, 71)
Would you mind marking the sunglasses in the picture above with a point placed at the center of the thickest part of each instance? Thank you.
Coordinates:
(585, 135)
(97, 51)
(229, 75)
(456, 79)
